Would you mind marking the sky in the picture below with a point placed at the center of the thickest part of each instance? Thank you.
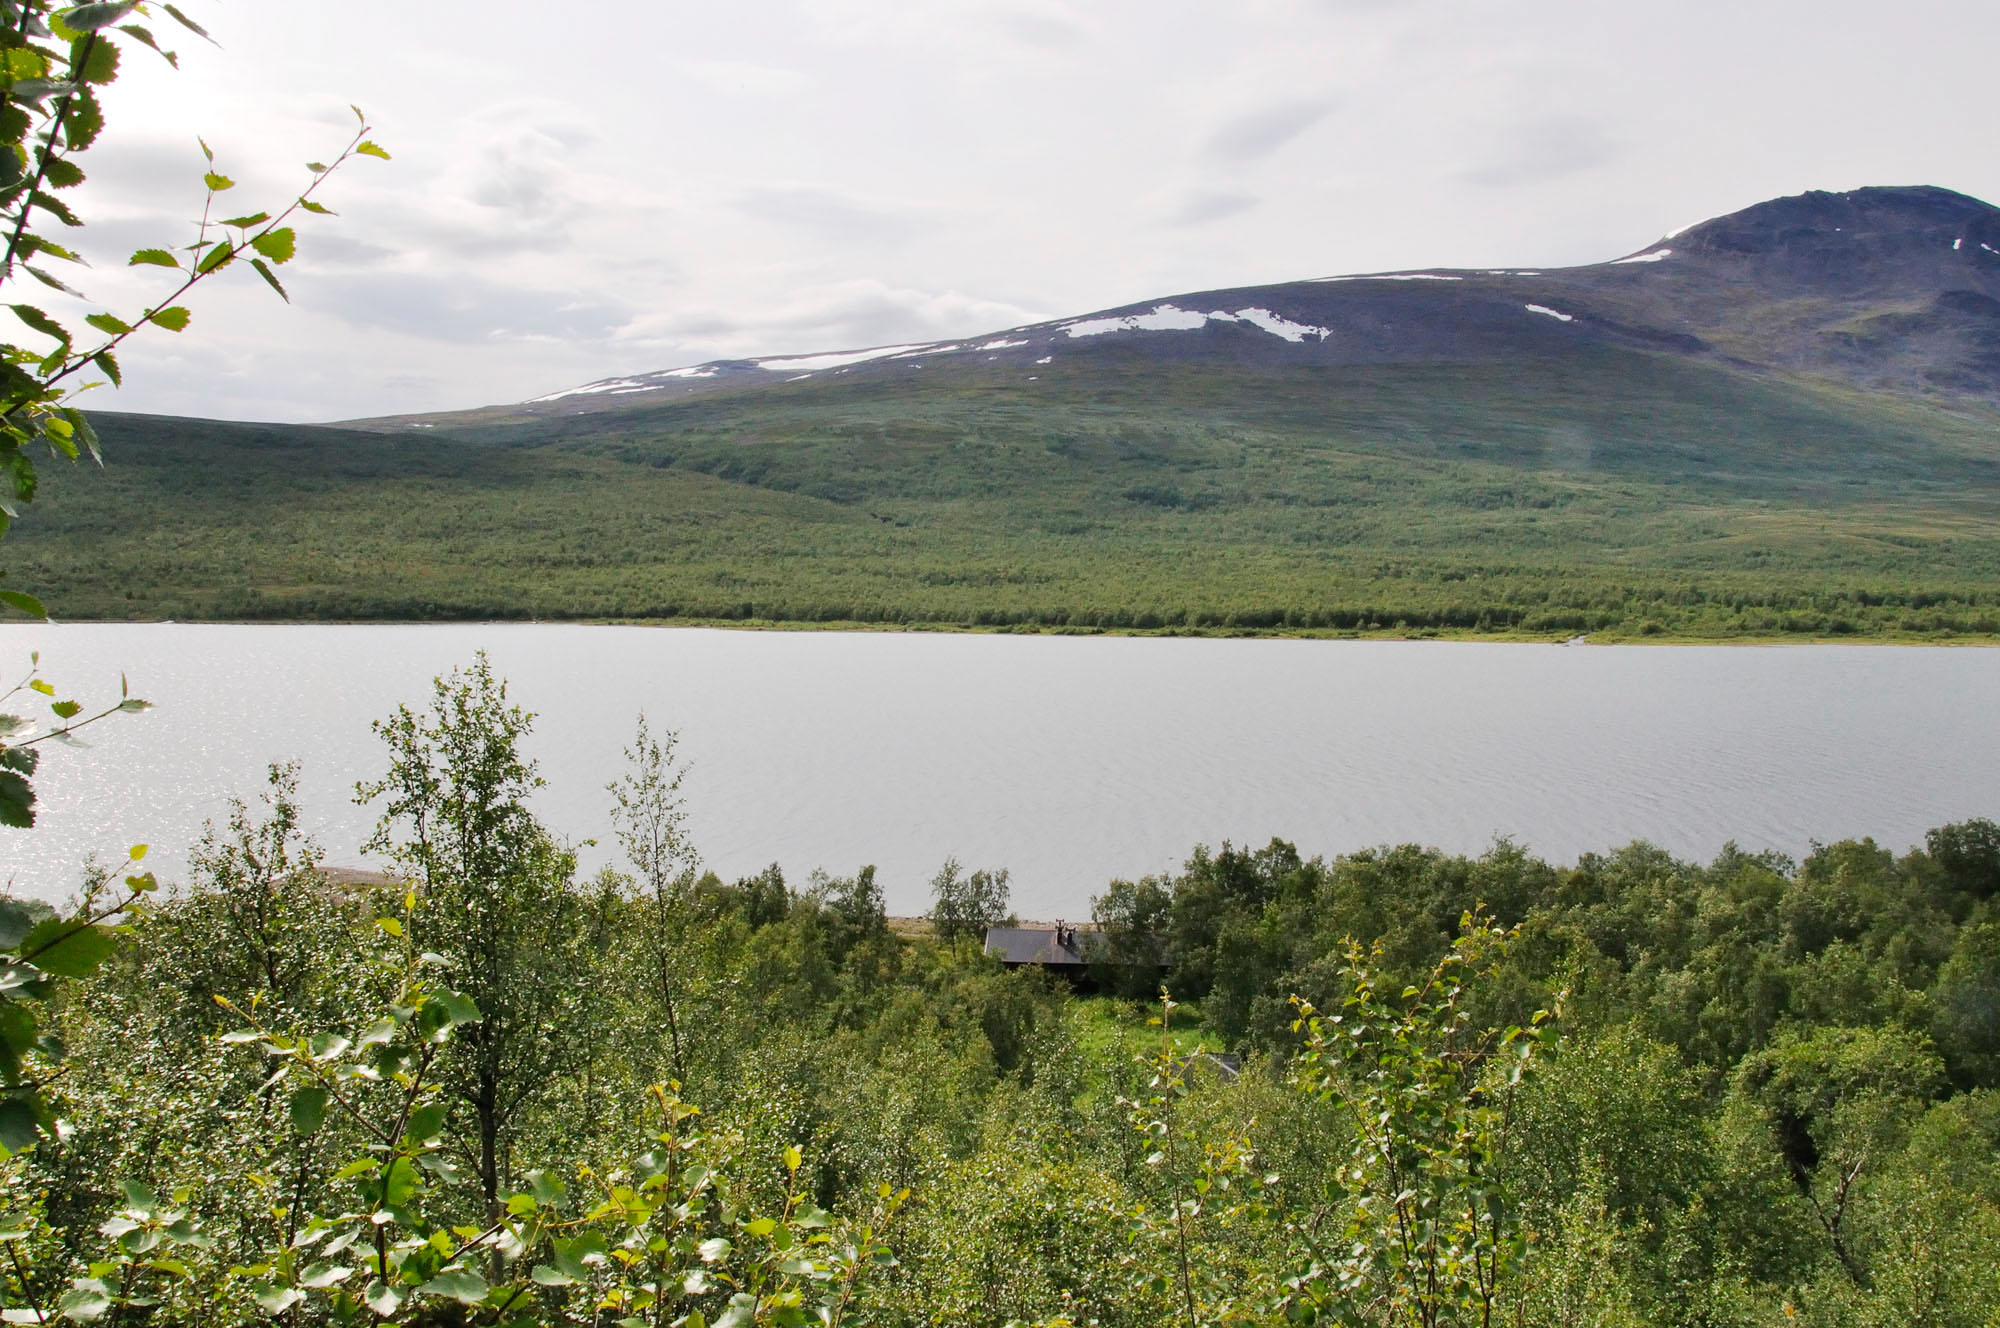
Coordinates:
(583, 191)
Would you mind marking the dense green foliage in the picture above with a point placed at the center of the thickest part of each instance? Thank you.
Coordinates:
(965, 904)
(1474, 1090)
(1621, 493)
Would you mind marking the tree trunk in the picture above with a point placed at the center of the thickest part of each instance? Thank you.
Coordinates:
(673, 1022)
(486, 1103)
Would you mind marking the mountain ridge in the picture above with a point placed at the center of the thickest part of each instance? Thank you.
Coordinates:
(1886, 288)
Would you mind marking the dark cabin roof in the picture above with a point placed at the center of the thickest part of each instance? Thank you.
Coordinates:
(1037, 945)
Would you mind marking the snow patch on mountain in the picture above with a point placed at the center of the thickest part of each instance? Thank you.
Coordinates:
(791, 363)
(647, 382)
(1164, 318)
(1170, 318)
(593, 389)
(1552, 313)
(1653, 257)
(1399, 276)
(1276, 324)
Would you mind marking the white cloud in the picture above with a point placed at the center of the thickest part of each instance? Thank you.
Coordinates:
(746, 77)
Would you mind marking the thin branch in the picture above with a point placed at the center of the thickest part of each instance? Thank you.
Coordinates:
(89, 919)
(27, 1294)
(67, 728)
(46, 158)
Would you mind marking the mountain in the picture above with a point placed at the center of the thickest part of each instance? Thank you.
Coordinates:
(1780, 423)
(1886, 289)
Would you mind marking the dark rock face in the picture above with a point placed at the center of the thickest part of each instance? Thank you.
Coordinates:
(1883, 242)
(1808, 223)
(1888, 288)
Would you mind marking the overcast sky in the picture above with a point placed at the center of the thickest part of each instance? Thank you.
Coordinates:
(586, 190)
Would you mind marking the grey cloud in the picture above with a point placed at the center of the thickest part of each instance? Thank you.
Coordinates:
(839, 317)
(411, 386)
(485, 233)
(1262, 132)
(1039, 28)
(559, 121)
(1546, 149)
(330, 249)
(1198, 207)
(145, 170)
(321, 248)
(108, 243)
(522, 172)
(516, 189)
(162, 178)
(462, 308)
(833, 213)
(869, 323)
(703, 324)
(497, 213)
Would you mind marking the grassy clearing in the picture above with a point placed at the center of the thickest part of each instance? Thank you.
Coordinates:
(1114, 1029)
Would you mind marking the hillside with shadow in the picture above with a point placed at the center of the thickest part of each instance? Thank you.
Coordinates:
(1780, 423)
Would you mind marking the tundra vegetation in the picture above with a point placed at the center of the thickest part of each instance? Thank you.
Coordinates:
(1107, 496)
(1633, 1090)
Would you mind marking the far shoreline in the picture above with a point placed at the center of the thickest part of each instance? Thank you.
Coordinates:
(1607, 637)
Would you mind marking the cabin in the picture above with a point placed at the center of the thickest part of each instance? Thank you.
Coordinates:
(1064, 949)
(1061, 948)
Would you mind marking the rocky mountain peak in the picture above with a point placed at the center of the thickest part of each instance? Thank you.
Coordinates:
(1891, 216)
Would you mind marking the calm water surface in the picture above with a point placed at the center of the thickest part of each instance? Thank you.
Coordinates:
(1067, 760)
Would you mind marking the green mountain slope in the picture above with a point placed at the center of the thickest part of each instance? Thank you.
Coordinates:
(1608, 490)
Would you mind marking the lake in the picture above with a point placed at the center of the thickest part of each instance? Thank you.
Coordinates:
(1068, 760)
